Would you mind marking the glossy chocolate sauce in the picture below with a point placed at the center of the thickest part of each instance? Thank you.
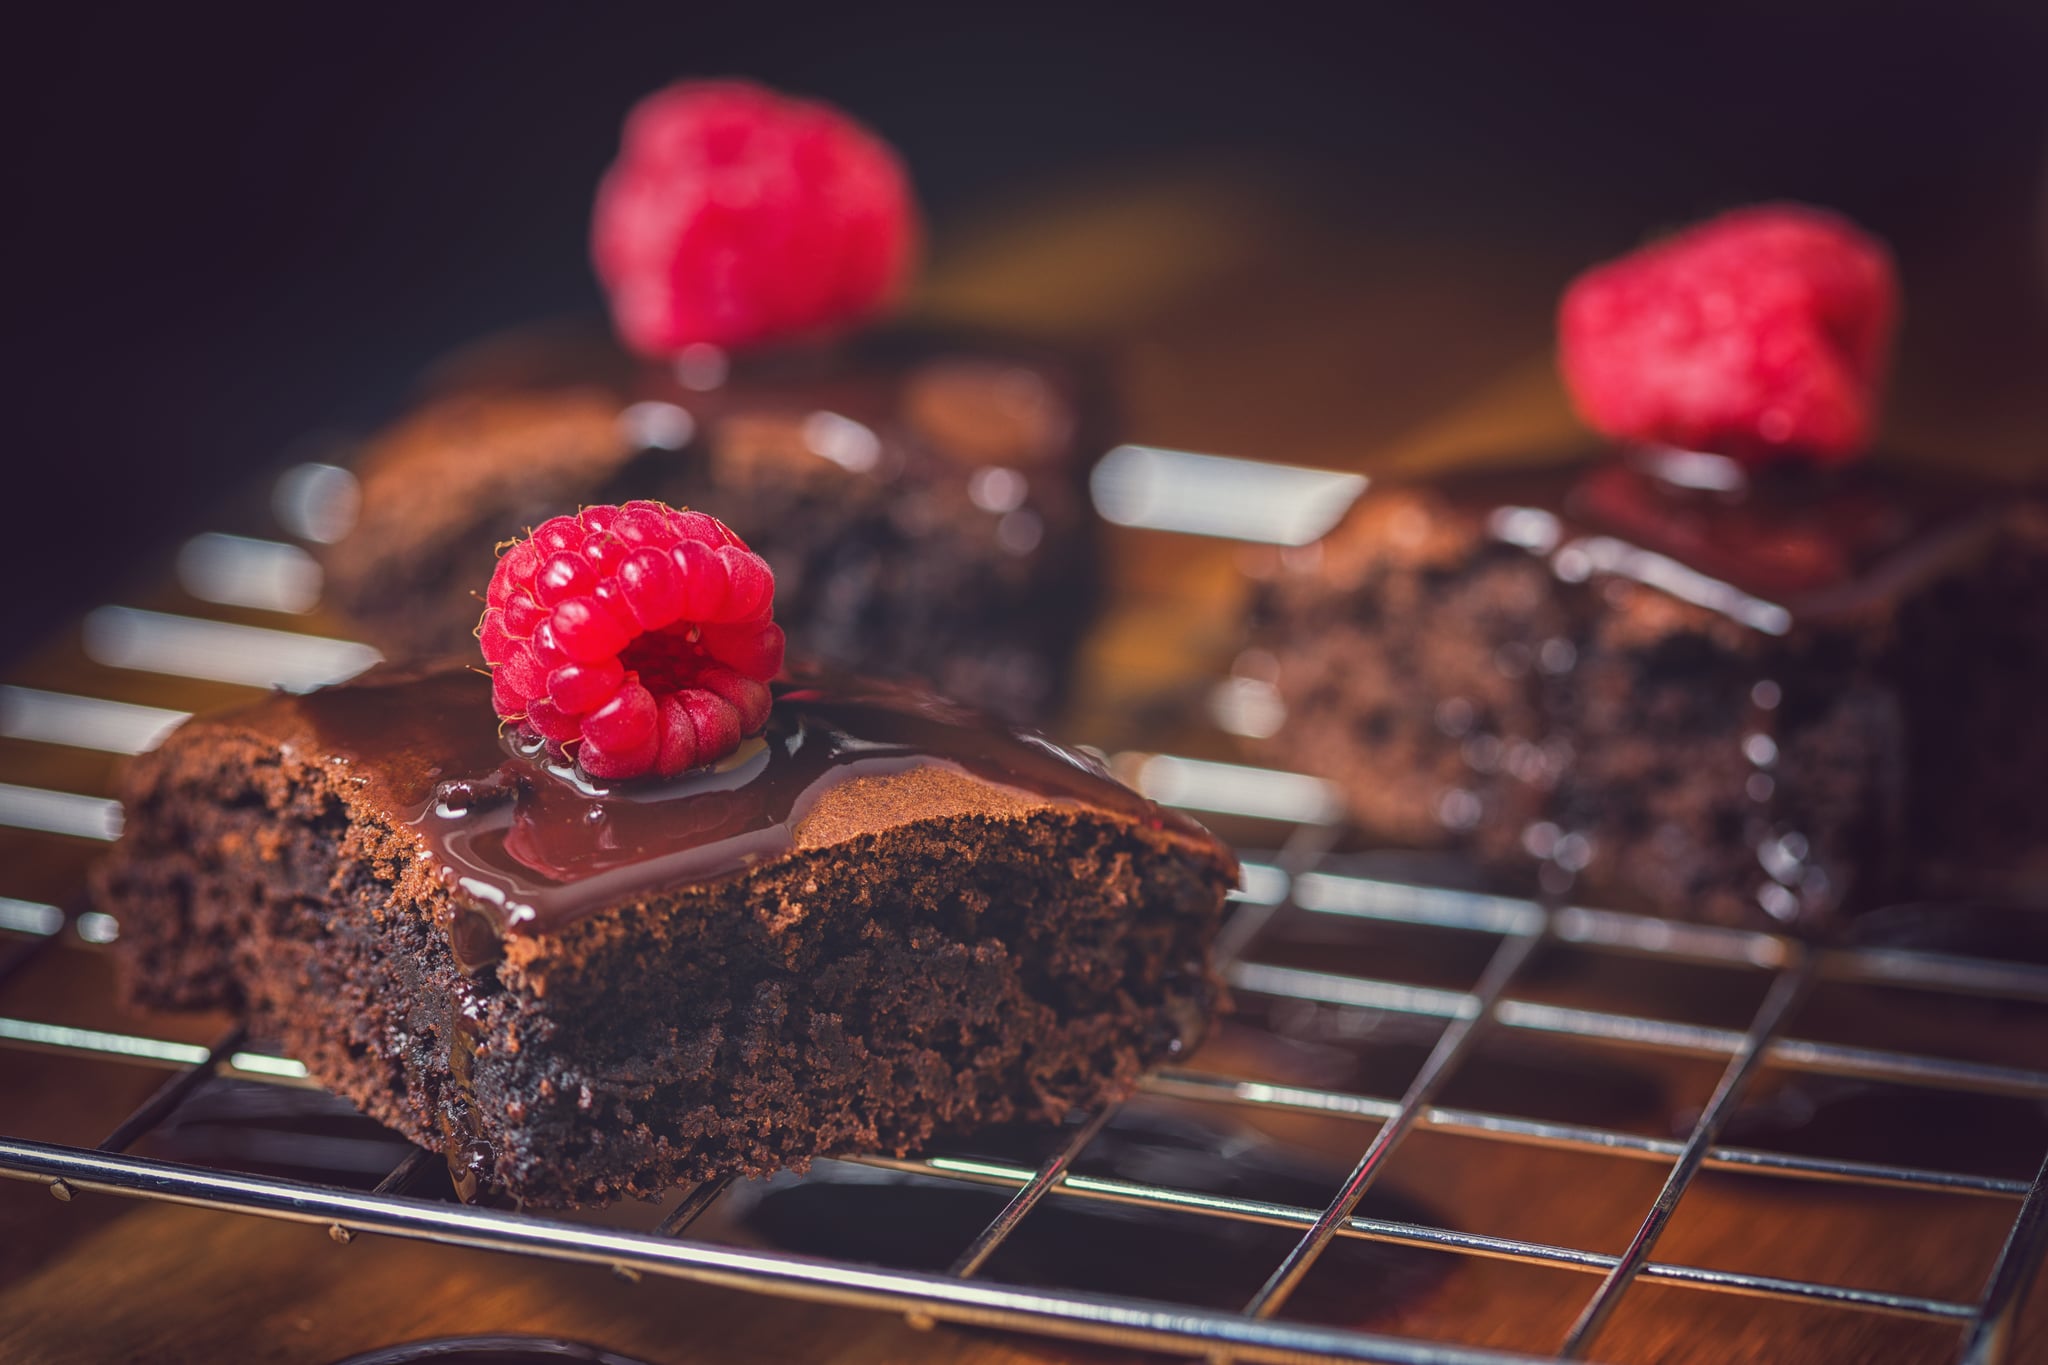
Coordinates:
(959, 459)
(956, 396)
(531, 846)
(1768, 547)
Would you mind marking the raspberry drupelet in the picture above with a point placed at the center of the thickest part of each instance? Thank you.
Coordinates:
(637, 639)
(735, 215)
(1760, 334)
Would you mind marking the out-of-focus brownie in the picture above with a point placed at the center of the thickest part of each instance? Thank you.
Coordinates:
(1757, 697)
(922, 500)
(881, 920)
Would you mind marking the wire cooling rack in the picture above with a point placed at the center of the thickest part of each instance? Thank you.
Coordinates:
(226, 577)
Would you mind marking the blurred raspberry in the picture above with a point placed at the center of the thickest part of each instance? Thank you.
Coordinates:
(736, 215)
(638, 634)
(1759, 334)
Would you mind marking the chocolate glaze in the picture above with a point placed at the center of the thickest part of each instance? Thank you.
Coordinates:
(950, 394)
(1783, 543)
(1836, 768)
(528, 846)
(920, 494)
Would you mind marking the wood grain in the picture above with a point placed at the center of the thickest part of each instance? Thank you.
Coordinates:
(1248, 317)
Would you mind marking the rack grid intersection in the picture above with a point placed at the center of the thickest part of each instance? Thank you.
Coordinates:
(1305, 879)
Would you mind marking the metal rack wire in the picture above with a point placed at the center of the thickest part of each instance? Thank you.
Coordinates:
(1302, 878)
(963, 1295)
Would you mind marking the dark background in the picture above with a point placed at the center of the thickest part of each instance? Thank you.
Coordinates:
(233, 232)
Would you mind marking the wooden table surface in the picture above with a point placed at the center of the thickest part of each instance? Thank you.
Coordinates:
(1246, 317)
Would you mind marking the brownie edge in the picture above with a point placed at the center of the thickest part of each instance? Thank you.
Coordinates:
(969, 957)
(1768, 700)
(922, 499)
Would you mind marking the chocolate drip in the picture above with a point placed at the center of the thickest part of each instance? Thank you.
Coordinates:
(951, 396)
(532, 846)
(1769, 546)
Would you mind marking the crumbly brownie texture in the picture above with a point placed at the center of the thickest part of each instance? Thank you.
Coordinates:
(923, 503)
(1752, 707)
(930, 952)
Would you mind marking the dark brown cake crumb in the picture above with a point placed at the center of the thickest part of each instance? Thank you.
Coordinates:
(1758, 706)
(932, 953)
(922, 502)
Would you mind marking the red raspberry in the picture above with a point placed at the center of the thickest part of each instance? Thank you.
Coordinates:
(1762, 333)
(639, 634)
(735, 215)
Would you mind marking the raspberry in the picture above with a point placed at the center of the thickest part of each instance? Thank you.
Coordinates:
(640, 635)
(1759, 334)
(735, 215)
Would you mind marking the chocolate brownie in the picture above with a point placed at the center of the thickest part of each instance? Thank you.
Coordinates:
(881, 920)
(1758, 698)
(921, 500)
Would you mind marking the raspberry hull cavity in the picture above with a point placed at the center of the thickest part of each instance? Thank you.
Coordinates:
(637, 640)
(1761, 334)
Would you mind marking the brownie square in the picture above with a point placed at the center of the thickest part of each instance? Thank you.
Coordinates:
(1657, 682)
(880, 921)
(921, 499)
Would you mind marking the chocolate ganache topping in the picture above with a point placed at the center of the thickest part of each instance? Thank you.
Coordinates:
(1768, 547)
(944, 396)
(534, 846)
